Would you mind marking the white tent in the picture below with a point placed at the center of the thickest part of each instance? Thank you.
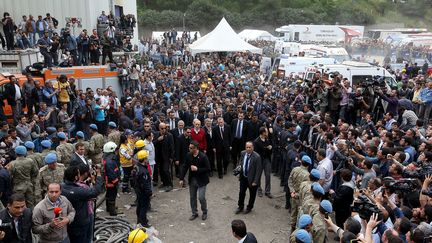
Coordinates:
(222, 39)
(249, 34)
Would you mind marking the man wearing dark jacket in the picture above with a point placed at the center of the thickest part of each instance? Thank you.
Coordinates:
(250, 177)
(142, 184)
(19, 216)
(112, 176)
(199, 166)
(164, 146)
(80, 229)
(182, 149)
(14, 97)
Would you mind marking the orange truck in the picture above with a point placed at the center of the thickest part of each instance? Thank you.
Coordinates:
(85, 77)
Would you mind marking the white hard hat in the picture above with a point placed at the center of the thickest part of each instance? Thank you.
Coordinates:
(109, 147)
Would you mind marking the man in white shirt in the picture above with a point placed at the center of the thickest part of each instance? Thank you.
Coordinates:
(325, 166)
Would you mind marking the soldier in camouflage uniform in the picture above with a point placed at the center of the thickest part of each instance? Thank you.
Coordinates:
(64, 150)
(46, 147)
(52, 172)
(298, 175)
(36, 157)
(319, 228)
(97, 142)
(305, 188)
(311, 206)
(113, 133)
(81, 139)
(305, 223)
(24, 173)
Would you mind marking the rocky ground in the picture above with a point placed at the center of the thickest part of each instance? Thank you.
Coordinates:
(269, 220)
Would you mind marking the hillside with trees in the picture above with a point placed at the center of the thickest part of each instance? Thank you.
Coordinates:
(205, 14)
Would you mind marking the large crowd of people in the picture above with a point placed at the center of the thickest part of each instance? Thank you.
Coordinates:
(352, 159)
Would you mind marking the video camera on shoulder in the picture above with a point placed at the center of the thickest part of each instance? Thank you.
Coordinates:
(365, 208)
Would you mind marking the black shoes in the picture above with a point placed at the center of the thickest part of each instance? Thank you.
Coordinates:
(204, 216)
(193, 217)
(168, 188)
(238, 210)
(269, 195)
(260, 194)
(247, 211)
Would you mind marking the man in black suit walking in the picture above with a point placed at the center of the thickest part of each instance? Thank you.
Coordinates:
(199, 166)
(239, 231)
(250, 177)
(239, 133)
(164, 146)
(222, 142)
(182, 149)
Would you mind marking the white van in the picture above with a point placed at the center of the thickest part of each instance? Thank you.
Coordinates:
(298, 65)
(355, 72)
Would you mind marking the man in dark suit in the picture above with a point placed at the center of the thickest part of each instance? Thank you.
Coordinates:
(15, 97)
(199, 166)
(239, 231)
(182, 149)
(208, 129)
(78, 157)
(195, 115)
(164, 146)
(172, 121)
(222, 144)
(20, 218)
(250, 177)
(239, 132)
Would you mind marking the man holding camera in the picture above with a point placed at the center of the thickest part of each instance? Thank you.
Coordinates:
(16, 221)
(80, 229)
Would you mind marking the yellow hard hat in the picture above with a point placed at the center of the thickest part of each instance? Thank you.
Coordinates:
(142, 154)
(137, 236)
(139, 144)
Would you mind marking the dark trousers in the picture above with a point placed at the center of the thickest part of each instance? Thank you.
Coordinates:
(47, 58)
(276, 161)
(266, 165)
(126, 178)
(106, 53)
(111, 193)
(142, 207)
(194, 189)
(211, 158)
(165, 173)
(9, 41)
(222, 160)
(30, 104)
(54, 55)
(244, 185)
(82, 234)
(101, 126)
(156, 173)
(238, 145)
(94, 56)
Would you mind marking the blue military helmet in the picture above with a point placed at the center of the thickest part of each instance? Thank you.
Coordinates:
(316, 187)
(304, 221)
(306, 159)
(61, 135)
(112, 124)
(21, 150)
(50, 158)
(315, 173)
(80, 134)
(327, 206)
(303, 236)
(29, 145)
(46, 143)
(93, 126)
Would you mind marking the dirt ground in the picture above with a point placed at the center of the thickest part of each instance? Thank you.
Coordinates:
(269, 220)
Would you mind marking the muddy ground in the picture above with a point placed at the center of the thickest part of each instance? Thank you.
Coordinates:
(269, 220)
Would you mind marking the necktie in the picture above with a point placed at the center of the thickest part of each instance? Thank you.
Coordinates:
(238, 133)
(180, 132)
(221, 132)
(246, 168)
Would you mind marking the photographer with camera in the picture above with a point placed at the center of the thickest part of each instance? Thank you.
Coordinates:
(16, 221)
